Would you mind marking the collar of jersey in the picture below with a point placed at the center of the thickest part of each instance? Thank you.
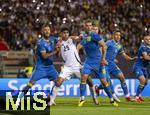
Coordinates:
(146, 45)
(45, 39)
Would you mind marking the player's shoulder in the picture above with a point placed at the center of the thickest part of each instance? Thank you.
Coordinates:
(93, 34)
(142, 47)
(96, 35)
(110, 41)
(40, 41)
(53, 38)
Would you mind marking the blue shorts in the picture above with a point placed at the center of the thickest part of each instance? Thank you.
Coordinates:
(95, 68)
(113, 69)
(140, 71)
(104, 72)
(89, 68)
(48, 72)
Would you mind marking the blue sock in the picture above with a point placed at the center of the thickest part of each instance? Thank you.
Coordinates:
(24, 91)
(21, 95)
(140, 89)
(112, 87)
(124, 87)
(82, 89)
(108, 91)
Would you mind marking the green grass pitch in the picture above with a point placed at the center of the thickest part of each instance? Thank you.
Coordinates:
(68, 106)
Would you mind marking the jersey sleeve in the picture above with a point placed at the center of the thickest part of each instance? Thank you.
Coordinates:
(108, 43)
(71, 41)
(82, 42)
(40, 47)
(143, 50)
(96, 37)
(120, 49)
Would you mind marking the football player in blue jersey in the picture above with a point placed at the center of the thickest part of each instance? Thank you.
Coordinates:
(141, 67)
(114, 48)
(104, 71)
(44, 68)
(91, 43)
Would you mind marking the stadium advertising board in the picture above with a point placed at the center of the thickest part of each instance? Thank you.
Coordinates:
(69, 88)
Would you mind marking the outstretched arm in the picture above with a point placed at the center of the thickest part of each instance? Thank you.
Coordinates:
(127, 57)
(146, 57)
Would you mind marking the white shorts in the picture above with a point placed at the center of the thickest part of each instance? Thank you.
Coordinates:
(67, 72)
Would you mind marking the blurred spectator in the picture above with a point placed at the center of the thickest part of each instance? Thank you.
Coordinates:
(3, 45)
(20, 20)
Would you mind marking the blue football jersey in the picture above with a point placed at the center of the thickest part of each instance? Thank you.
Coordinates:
(90, 42)
(144, 49)
(113, 49)
(45, 46)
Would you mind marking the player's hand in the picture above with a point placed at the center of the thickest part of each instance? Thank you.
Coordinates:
(116, 61)
(104, 61)
(134, 58)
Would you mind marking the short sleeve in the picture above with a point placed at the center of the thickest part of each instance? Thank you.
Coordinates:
(108, 43)
(120, 49)
(143, 50)
(96, 37)
(40, 47)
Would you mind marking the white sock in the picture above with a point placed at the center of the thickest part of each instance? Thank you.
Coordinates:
(127, 95)
(18, 101)
(111, 99)
(114, 95)
(93, 93)
(54, 93)
(82, 98)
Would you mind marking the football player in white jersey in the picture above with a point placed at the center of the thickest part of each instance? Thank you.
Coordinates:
(72, 65)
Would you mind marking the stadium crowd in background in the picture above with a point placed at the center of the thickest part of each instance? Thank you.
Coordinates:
(21, 20)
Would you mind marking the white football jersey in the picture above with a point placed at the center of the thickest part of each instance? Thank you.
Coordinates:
(69, 53)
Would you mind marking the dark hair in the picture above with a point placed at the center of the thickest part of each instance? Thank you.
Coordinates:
(88, 21)
(117, 30)
(64, 29)
(46, 25)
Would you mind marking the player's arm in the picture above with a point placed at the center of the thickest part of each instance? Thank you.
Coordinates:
(45, 55)
(127, 57)
(145, 56)
(76, 38)
(103, 50)
(79, 47)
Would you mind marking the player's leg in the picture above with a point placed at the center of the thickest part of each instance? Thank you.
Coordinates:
(112, 89)
(118, 73)
(52, 75)
(64, 74)
(84, 78)
(105, 74)
(92, 90)
(107, 89)
(77, 73)
(142, 77)
(36, 75)
(86, 71)
(54, 90)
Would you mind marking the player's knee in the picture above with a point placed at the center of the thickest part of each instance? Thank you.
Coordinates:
(84, 78)
(104, 82)
(122, 78)
(58, 83)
